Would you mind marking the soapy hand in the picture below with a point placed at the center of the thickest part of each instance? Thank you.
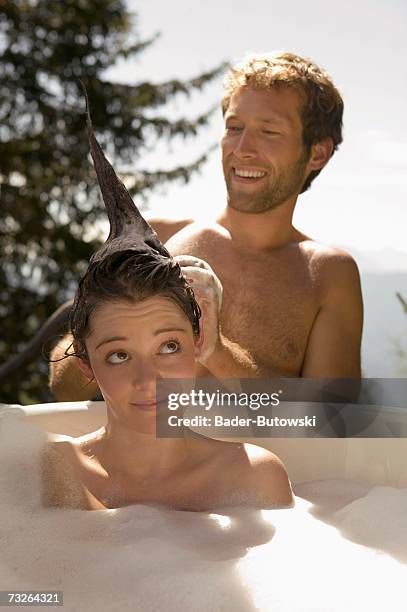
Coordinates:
(208, 293)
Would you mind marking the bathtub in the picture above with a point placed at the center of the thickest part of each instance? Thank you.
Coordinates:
(342, 547)
(376, 461)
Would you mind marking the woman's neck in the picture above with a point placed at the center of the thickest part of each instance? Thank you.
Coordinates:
(137, 454)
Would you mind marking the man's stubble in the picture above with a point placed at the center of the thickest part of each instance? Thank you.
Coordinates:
(286, 184)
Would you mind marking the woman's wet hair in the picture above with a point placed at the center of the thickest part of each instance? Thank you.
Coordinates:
(132, 275)
(131, 265)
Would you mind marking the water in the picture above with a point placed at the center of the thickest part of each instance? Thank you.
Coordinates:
(342, 547)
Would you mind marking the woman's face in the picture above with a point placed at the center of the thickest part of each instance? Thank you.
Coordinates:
(131, 346)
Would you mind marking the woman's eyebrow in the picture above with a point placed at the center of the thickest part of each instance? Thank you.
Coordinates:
(169, 329)
(112, 339)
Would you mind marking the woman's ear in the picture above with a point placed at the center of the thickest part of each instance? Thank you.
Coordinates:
(199, 340)
(83, 366)
(85, 369)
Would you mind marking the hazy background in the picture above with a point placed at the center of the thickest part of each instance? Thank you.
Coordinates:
(359, 200)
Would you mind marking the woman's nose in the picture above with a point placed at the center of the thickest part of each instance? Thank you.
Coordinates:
(144, 376)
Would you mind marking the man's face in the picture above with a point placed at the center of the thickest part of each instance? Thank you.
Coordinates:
(263, 156)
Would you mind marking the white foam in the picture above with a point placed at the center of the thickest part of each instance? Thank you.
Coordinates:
(144, 558)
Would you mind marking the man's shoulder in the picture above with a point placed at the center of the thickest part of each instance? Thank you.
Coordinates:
(325, 252)
(166, 228)
(191, 234)
(197, 238)
(330, 263)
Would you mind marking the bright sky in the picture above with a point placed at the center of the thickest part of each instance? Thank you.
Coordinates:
(359, 200)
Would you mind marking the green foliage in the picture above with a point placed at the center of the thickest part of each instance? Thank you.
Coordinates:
(50, 201)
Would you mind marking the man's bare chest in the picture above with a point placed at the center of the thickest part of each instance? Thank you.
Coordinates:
(270, 299)
(269, 315)
(269, 307)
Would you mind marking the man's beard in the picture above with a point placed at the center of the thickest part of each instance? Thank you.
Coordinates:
(286, 184)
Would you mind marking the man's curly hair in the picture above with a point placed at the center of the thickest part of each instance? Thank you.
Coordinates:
(321, 102)
(132, 275)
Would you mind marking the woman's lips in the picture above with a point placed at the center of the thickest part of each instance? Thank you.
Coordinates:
(148, 405)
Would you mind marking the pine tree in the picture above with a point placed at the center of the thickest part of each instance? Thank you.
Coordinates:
(49, 200)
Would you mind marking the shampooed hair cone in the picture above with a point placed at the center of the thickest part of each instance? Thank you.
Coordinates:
(128, 229)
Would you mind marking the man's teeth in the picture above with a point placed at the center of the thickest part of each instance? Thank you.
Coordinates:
(249, 173)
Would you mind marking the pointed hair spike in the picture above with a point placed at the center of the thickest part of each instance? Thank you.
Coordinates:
(127, 225)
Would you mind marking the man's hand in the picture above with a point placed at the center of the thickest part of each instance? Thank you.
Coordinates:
(208, 293)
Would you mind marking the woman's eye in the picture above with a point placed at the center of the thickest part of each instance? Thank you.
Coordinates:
(118, 357)
(172, 346)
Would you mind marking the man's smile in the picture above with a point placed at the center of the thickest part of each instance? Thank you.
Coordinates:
(247, 175)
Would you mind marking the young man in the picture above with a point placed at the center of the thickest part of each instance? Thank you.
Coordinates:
(291, 307)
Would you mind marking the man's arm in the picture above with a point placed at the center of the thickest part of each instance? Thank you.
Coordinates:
(333, 348)
(66, 382)
(230, 360)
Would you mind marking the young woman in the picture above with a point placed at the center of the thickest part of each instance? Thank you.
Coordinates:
(135, 321)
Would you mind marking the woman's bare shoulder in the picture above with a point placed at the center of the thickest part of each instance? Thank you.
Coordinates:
(267, 476)
(60, 476)
(255, 474)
